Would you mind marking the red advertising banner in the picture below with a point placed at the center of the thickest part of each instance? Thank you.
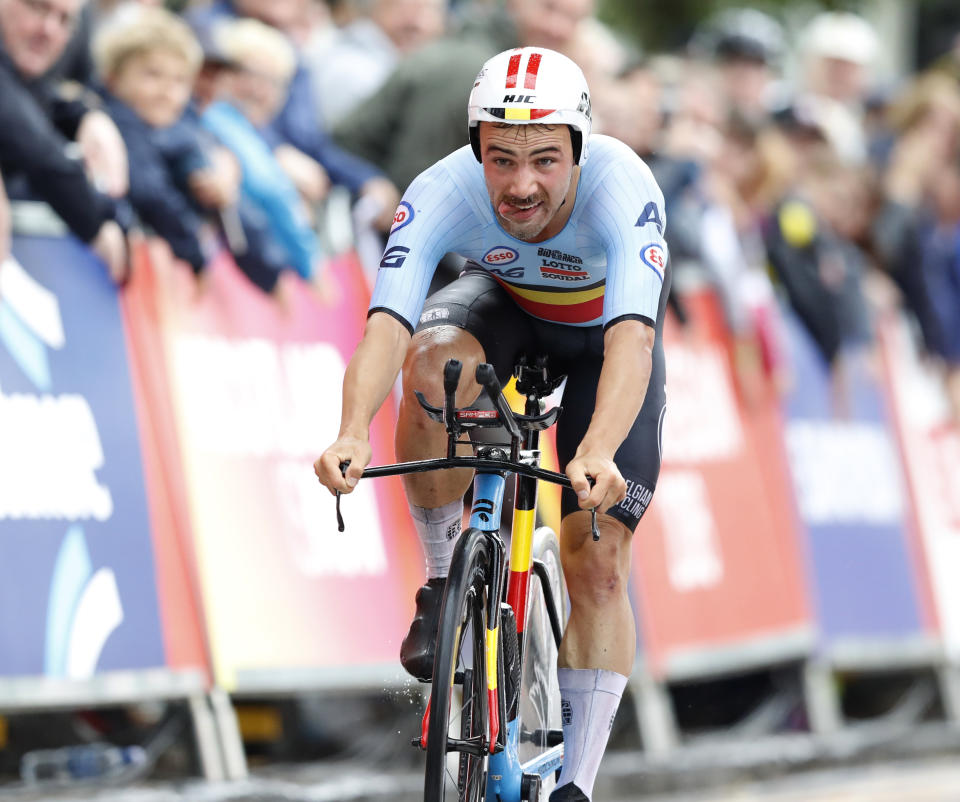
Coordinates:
(254, 382)
(718, 571)
(930, 446)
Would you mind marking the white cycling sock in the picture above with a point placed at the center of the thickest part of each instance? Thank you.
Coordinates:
(589, 699)
(438, 530)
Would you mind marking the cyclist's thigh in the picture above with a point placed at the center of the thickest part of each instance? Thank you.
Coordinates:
(476, 303)
(638, 458)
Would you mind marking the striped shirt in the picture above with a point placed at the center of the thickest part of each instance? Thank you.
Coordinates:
(606, 264)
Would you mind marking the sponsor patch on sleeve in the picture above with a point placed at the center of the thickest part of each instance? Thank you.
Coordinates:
(394, 257)
(655, 258)
(403, 216)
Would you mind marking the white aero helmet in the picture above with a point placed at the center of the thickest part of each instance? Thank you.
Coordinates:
(532, 85)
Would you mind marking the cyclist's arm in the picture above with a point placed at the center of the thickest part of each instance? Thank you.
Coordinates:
(368, 380)
(627, 362)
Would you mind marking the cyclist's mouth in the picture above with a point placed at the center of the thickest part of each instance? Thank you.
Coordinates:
(518, 211)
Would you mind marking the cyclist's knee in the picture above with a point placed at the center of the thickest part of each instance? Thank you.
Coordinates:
(428, 353)
(596, 572)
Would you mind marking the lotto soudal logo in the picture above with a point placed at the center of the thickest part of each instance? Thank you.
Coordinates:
(402, 217)
(553, 270)
(500, 255)
(653, 256)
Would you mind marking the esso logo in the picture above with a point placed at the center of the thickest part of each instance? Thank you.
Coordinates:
(501, 255)
(654, 257)
(402, 217)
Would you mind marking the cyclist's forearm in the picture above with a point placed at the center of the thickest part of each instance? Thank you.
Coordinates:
(371, 373)
(627, 362)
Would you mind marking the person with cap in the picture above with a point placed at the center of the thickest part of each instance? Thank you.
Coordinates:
(746, 46)
(563, 232)
(838, 50)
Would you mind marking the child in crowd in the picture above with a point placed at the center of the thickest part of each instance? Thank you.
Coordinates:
(181, 178)
(251, 86)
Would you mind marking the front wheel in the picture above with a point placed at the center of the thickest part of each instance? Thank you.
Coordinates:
(458, 728)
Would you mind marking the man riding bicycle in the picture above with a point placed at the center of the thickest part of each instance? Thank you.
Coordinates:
(565, 258)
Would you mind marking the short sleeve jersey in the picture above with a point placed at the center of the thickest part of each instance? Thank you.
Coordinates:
(605, 265)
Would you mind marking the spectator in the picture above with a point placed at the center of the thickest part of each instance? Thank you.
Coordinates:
(838, 50)
(37, 126)
(364, 53)
(295, 123)
(147, 63)
(746, 46)
(416, 117)
(940, 262)
(927, 120)
(5, 233)
(250, 87)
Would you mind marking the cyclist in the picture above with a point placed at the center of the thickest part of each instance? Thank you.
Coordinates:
(565, 258)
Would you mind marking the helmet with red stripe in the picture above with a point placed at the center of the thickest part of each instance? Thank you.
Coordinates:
(532, 85)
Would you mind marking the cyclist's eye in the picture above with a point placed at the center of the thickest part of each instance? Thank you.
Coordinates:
(502, 162)
(546, 161)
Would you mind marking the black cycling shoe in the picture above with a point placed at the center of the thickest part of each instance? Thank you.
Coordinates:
(419, 647)
(568, 792)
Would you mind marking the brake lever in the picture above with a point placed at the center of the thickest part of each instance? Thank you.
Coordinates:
(594, 530)
(343, 472)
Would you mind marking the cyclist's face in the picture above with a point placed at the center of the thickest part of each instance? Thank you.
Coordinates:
(529, 172)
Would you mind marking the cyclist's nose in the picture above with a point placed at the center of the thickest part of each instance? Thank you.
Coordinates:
(523, 183)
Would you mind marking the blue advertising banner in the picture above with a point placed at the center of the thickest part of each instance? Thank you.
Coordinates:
(851, 497)
(77, 590)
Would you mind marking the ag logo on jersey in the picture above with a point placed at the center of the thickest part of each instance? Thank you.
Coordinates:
(650, 214)
(395, 256)
(403, 216)
(500, 255)
(653, 256)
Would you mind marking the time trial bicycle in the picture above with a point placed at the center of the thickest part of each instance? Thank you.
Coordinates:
(491, 730)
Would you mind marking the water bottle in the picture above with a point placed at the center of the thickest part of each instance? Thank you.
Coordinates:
(83, 762)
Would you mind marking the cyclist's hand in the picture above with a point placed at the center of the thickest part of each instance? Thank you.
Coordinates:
(609, 488)
(345, 449)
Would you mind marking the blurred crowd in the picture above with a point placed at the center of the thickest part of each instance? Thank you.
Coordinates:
(262, 127)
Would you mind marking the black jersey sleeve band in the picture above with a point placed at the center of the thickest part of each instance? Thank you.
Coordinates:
(621, 318)
(393, 314)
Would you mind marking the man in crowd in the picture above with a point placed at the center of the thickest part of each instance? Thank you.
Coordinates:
(51, 149)
(364, 53)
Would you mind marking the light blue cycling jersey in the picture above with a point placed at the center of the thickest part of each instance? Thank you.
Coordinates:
(606, 264)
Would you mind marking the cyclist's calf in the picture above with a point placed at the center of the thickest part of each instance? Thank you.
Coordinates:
(601, 631)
